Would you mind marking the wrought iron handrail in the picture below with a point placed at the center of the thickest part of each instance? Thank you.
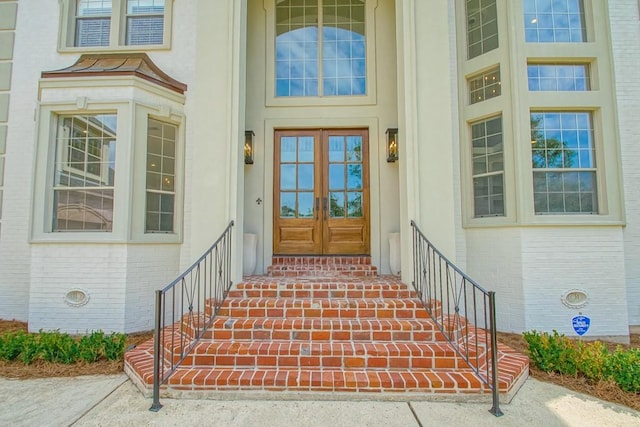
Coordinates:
(186, 307)
(463, 311)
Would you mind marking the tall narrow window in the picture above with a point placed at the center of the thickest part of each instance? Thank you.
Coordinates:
(93, 22)
(84, 173)
(564, 164)
(145, 22)
(488, 167)
(161, 164)
(482, 27)
(554, 21)
(320, 48)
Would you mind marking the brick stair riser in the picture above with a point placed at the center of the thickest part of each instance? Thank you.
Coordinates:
(329, 361)
(334, 313)
(316, 273)
(316, 294)
(327, 380)
(331, 335)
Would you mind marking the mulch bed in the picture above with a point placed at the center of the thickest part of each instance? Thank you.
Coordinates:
(605, 390)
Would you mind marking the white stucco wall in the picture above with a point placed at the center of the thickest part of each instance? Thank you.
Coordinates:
(625, 40)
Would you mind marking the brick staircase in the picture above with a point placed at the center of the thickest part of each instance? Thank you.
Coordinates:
(339, 328)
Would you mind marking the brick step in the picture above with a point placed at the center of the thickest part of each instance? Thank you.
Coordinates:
(328, 308)
(304, 329)
(378, 355)
(321, 266)
(321, 290)
(461, 381)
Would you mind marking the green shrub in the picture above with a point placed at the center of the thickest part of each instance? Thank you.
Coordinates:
(30, 350)
(557, 353)
(552, 353)
(623, 366)
(591, 359)
(92, 346)
(114, 346)
(59, 347)
(11, 345)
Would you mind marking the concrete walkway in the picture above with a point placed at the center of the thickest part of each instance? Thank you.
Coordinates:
(114, 401)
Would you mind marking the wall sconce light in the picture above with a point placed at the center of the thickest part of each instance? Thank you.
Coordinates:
(392, 144)
(248, 147)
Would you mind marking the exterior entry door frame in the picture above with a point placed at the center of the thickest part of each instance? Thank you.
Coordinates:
(321, 192)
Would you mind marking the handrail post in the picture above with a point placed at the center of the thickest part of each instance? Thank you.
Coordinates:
(495, 410)
(156, 405)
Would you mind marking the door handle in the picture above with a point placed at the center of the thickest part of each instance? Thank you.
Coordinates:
(324, 207)
(317, 206)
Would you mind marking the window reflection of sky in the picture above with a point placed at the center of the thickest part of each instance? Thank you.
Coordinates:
(343, 62)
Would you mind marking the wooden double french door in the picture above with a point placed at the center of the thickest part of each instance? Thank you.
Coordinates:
(321, 192)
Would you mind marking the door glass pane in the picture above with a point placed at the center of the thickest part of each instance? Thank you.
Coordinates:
(354, 148)
(305, 149)
(336, 177)
(336, 149)
(288, 177)
(354, 177)
(354, 204)
(305, 205)
(336, 208)
(288, 149)
(287, 205)
(305, 177)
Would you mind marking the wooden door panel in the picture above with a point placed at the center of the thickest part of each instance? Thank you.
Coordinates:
(321, 192)
(346, 230)
(297, 172)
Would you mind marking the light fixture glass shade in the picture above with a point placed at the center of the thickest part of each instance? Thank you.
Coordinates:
(392, 144)
(248, 147)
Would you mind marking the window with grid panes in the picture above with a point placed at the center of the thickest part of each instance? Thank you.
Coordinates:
(482, 27)
(558, 77)
(554, 21)
(84, 173)
(161, 165)
(564, 163)
(485, 86)
(488, 167)
(114, 23)
(320, 48)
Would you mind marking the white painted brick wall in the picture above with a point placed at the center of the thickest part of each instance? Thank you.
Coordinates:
(556, 259)
(625, 39)
(100, 270)
(494, 261)
(149, 267)
(31, 48)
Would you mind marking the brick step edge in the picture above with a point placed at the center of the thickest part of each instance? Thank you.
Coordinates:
(337, 380)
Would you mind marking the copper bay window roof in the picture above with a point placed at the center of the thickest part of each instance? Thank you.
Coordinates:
(118, 64)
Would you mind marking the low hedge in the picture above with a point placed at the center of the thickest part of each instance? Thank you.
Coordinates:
(60, 347)
(593, 360)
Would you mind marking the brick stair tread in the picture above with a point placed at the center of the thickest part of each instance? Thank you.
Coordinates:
(327, 379)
